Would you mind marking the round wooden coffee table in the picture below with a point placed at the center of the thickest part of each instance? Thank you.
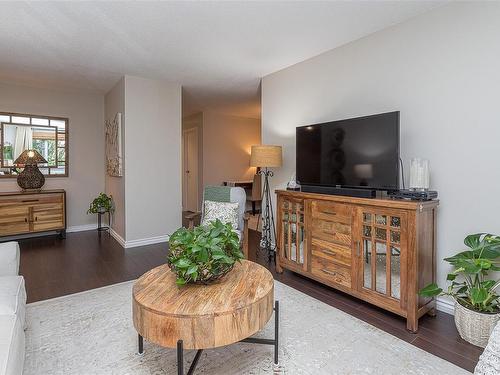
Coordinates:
(204, 316)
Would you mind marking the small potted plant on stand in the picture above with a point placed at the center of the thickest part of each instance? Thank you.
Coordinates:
(203, 254)
(100, 205)
(477, 304)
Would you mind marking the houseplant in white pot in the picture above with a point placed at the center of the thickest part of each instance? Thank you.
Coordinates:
(477, 304)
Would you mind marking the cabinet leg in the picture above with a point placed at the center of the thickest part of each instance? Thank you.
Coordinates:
(279, 269)
(412, 325)
(62, 234)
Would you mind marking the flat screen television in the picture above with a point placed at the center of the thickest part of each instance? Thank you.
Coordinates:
(360, 152)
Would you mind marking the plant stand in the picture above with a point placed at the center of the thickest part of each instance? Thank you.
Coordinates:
(100, 228)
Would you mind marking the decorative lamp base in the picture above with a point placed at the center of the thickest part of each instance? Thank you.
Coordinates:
(30, 179)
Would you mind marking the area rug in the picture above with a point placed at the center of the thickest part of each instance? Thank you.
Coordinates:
(92, 333)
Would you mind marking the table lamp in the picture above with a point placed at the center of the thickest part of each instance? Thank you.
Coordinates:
(30, 178)
(267, 156)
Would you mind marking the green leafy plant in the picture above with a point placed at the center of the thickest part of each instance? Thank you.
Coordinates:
(8, 152)
(103, 203)
(204, 253)
(470, 285)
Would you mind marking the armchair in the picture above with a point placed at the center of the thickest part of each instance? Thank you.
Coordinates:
(227, 194)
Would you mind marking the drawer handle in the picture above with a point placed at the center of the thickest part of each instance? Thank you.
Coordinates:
(29, 200)
(329, 272)
(25, 219)
(358, 248)
(36, 218)
(329, 252)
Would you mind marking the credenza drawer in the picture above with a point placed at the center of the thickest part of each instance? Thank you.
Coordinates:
(330, 271)
(332, 211)
(331, 251)
(331, 231)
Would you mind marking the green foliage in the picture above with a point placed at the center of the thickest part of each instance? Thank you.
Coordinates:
(41, 144)
(8, 153)
(102, 203)
(204, 253)
(469, 283)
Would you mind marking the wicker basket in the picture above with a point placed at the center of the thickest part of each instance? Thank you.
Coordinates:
(474, 327)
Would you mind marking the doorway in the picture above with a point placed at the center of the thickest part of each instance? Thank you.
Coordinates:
(190, 169)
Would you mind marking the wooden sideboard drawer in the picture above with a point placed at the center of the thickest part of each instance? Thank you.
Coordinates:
(9, 214)
(330, 271)
(30, 199)
(331, 231)
(48, 217)
(332, 211)
(333, 252)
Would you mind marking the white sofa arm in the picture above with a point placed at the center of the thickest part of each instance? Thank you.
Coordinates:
(9, 258)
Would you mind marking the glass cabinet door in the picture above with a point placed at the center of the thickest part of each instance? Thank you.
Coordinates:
(382, 252)
(292, 232)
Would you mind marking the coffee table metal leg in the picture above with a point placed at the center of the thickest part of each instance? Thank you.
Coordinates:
(141, 344)
(195, 362)
(276, 330)
(180, 358)
(275, 341)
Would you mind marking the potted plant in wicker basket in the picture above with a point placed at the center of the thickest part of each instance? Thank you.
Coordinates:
(477, 304)
(203, 254)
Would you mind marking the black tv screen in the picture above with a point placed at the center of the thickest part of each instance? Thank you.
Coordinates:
(359, 152)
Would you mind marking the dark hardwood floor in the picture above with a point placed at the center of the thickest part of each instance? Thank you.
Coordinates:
(53, 267)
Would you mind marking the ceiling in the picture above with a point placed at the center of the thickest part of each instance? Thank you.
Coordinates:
(218, 51)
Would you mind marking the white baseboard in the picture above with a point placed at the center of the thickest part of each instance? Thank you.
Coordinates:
(146, 241)
(140, 242)
(445, 305)
(117, 237)
(81, 228)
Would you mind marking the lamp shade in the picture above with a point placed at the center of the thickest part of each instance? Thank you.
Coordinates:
(266, 156)
(30, 157)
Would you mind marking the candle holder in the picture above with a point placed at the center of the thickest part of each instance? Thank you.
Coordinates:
(419, 174)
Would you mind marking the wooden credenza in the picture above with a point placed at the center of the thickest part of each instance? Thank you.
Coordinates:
(22, 213)
(379, 250)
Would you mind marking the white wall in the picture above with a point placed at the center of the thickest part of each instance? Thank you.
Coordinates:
(227, 141)
(441, 70)
(115, 103)
(86, 142)
(153, 201)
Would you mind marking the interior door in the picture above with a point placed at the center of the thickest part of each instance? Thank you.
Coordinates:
(382, 255)
(190, 170)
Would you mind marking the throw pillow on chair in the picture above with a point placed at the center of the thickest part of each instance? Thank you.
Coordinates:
(224, 211)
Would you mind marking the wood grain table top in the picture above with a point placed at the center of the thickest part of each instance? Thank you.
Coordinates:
(245, 284)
